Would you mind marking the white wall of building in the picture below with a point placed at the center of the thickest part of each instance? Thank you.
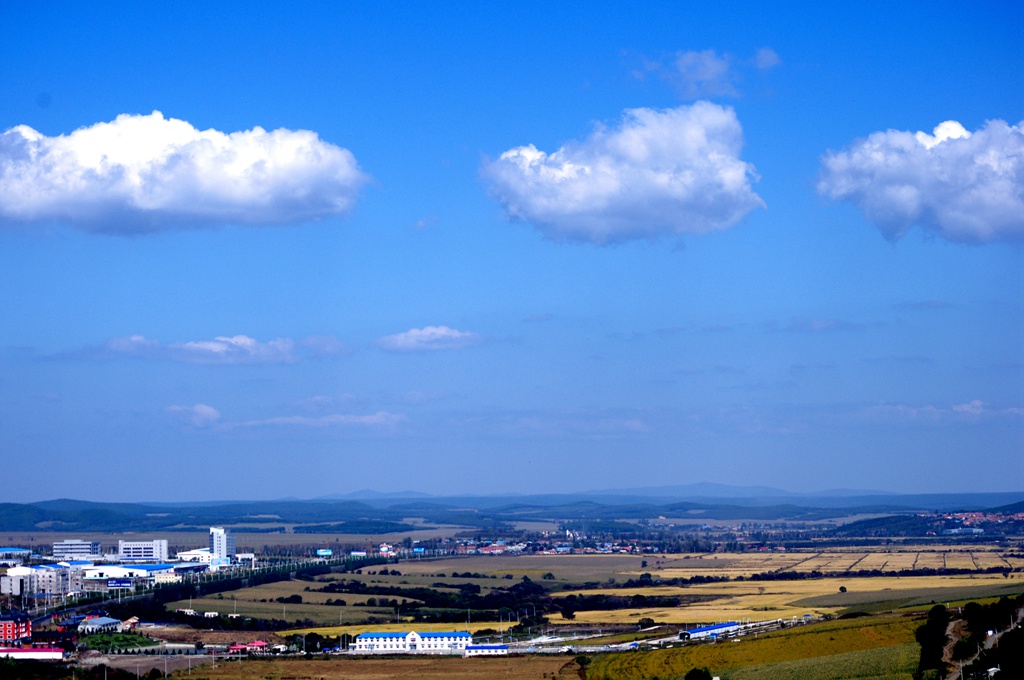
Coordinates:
(142, 551)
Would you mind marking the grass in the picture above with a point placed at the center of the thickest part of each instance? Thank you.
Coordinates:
(897, 662)
(795, 644)
(105, 642)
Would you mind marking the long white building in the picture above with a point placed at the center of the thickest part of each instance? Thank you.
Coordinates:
(76, 549)
(142, 551)
(451, 642)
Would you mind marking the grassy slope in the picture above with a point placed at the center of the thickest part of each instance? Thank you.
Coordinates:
(836, 637)
(885, 663)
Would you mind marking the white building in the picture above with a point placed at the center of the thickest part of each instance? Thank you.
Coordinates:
(106, 578)
(486, 650)
(100, 624)
(142, 551)
(61, 579)
(76, 549)
(201, 555)
(222, 543)
(452, 642)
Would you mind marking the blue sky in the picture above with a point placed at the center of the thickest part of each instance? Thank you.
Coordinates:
(258, 250)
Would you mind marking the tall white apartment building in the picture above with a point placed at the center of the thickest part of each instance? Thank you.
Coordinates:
(222, 543)
(76, 549)
(142, 551)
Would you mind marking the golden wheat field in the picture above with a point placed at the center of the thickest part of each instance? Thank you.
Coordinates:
(768, 600)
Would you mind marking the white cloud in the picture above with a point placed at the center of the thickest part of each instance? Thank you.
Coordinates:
(660, 172)
(703, 73)
(429, 338)
(324, 346)
(972, 411)
(147, 173)
(199, 415)
(766, 58)
(380, 418)
(967, 187)
(238, 349)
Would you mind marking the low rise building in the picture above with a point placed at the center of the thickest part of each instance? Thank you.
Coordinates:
(142, 551)
(451, 642)
(100, 624)
(486, 650)
(57, 580)
(15, 628)
(76, 549)
(201, 555)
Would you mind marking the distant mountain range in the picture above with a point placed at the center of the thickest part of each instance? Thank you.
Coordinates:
(382, 512)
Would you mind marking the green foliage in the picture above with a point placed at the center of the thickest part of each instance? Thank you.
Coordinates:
(932, 638)
(698, 674)
(105, 642)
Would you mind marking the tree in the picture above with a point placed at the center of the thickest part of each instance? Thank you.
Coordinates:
(842, 589)
(932, 638)
(697, 674)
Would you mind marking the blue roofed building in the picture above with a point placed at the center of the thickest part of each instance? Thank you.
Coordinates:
(448, 642)
(708, 632)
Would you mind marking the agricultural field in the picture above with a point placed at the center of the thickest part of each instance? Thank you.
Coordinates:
(600, 568)
(744, 599)
(261, 602)
(768, 600)
(535, 667)
(847, 641)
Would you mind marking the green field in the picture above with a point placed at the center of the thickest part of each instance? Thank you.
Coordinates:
(802, 643)
(885, 663)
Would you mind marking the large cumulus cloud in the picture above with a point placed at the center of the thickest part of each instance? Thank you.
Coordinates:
(967, 187)
(144, 173)
(658, 172)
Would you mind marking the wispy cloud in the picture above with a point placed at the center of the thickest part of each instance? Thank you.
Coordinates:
(429, 339)
(237, 349)
(205, 416)
(707, 74)
(704, 73)
(766, 58)
(198, 415)
(657, 173)
(971, 411)
(147, 173)
(967, 187)
(380, 418)
(799, 324)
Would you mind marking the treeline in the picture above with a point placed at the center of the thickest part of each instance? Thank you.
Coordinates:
(363, 526)
(442, 597)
